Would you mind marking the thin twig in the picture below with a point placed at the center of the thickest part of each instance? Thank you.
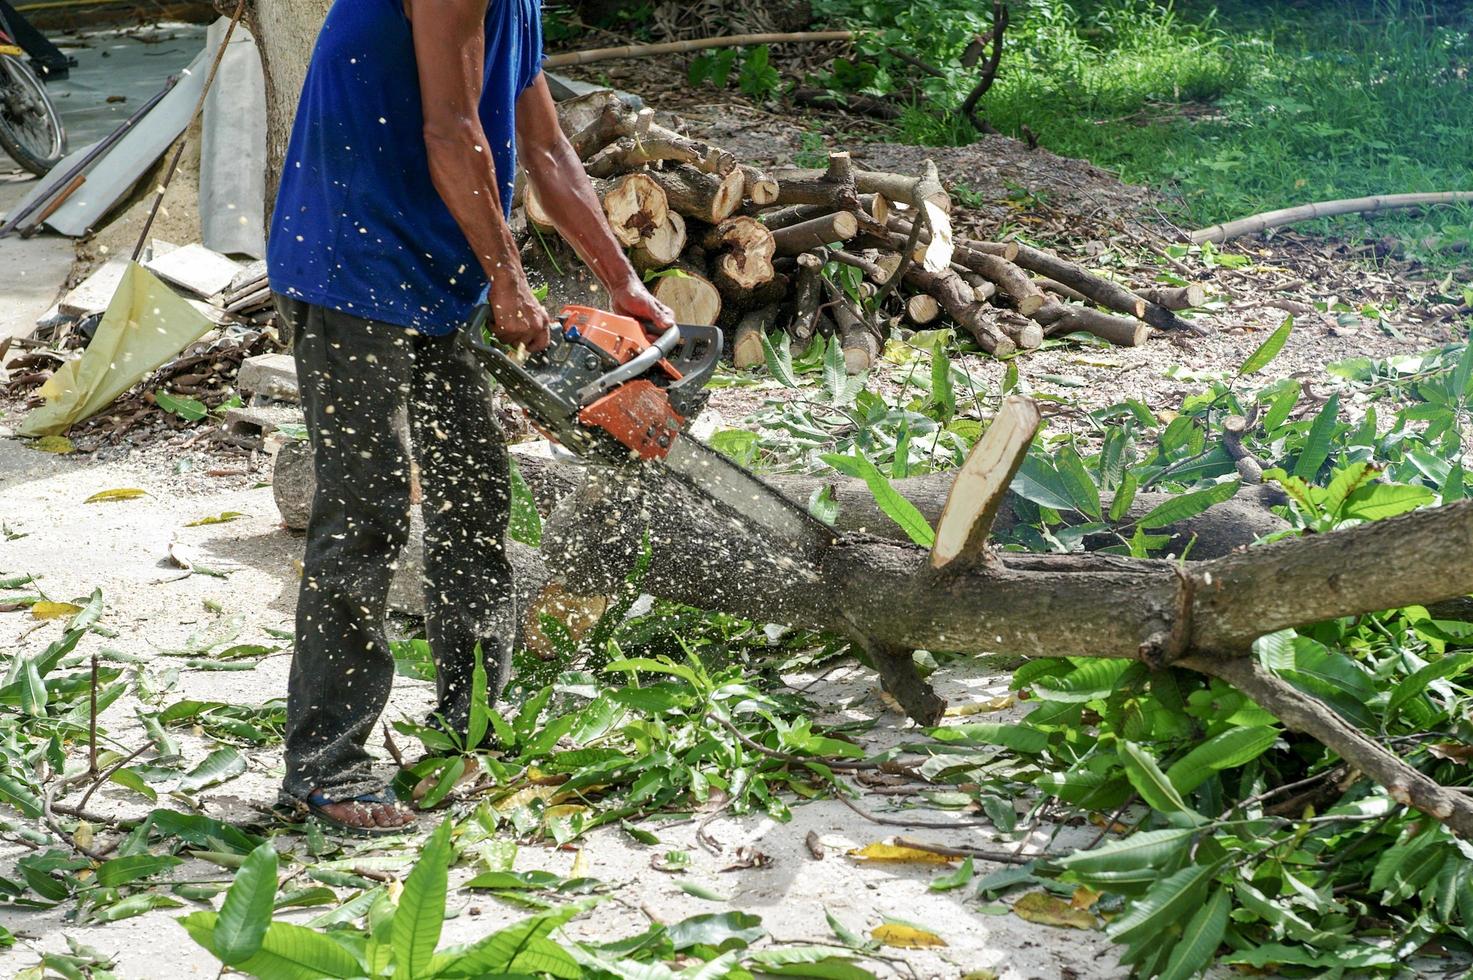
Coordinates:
(102, 778)
(1000, 857)
(906, 822)
(92, 723)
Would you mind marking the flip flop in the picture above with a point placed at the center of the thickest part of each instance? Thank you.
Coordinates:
(317, 801)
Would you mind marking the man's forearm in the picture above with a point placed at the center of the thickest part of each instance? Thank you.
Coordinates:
(567, 196)
(464, 174)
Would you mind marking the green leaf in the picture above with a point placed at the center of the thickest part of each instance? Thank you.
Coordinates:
(1083, 491)
(1187, 505)
(1417, 682)
(1226, 750)
(779, 360)
(189, 409)
(421, 912)
(1124, 497)
(716, 929)
(896, 507)
(1149, 780)
(1167, 902)
(245, 914)
(120, 871)
(133, 905)
(956, 879)
(1199, 941)
(1019, 738)
(219, 766)
(519, 948)
(1382, 500)
(480, 703)
(1317, 444)
(943, 392)
(287, 952)
(1146, 849)
(1268, 350)
(1038, 481)
(524, 523)
(33, 695)
(1462, 374)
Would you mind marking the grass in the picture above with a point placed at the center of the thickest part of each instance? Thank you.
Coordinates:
(1243, 108)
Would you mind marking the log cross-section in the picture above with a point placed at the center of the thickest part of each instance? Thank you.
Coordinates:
(981, 484)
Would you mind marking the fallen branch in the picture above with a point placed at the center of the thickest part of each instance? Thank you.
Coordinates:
(694, 44)
(1325, 209)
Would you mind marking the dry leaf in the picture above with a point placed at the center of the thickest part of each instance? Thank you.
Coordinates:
(225, 518)
(905, 937)
(526, 795)
(746, 857)
(53, 610)
(122, 493)
(981, 707)
(983, 974)
(581, 864)
(1047, 910)
(879, 851)
(1084, 898)
(1451, 751)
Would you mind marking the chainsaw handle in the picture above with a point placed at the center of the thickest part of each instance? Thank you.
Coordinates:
(632, 368)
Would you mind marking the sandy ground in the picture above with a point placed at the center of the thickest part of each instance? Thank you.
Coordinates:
(123, 548)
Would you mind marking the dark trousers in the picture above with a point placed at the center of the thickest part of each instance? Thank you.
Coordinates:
(357, 379)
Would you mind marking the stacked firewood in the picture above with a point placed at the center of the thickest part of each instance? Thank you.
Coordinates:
(726, 243)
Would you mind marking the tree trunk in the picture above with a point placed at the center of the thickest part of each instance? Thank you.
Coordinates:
(285, 32)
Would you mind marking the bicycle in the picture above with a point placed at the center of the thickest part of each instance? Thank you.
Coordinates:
(30, 128)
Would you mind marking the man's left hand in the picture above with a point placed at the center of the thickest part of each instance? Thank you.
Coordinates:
(633, 300)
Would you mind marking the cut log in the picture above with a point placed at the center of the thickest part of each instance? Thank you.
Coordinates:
(872, 270)
(635, 204)
(792, 215)
(746, 344)
(758, 186)
(741, 249)
(832, 188)
(710, 197)
(876, 206)
(1027, 334)
(816, 233)
(1067, 318)
(983, 289)
(1176, 298)
(689, 294)
(977, 493)
(662, 246)
(1067, 292)
(922, 309)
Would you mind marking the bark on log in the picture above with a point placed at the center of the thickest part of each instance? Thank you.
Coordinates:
(1186, 297)
(709, 197)
(629, 153)
(1065, 318)
(807, 293)
(1111, 296)
(816, 233)
(758, 186)
(860, 344)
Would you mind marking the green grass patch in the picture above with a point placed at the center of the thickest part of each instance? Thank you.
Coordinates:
(1238, 110)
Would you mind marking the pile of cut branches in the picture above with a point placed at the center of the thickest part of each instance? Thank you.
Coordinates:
(840, 251)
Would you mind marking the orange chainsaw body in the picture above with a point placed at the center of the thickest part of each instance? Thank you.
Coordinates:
(637, 414)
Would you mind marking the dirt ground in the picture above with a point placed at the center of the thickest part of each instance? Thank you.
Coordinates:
(124, 548)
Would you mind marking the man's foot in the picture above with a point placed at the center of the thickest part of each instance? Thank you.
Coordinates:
(369, 813)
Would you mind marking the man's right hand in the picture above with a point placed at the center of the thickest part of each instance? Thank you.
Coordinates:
(518, 319)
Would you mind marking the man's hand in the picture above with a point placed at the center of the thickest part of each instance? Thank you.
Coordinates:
(632, 299)
(518, 318)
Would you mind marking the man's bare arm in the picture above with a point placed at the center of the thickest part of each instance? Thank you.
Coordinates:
(567, 196)
(449, 48)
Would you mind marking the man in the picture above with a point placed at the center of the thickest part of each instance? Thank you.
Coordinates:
(390, 220)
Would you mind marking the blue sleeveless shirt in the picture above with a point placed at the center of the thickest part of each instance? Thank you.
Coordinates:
(358, 225)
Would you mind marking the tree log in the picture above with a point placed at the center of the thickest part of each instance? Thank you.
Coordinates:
(662, 246)
(742, 250)
(635, 204)
(746, 343)
(1067, 318)
(816, 233)
(695, 194)
(860, 344)
(807, 294)
(1186, 297)
(629, 153)
(1111, 296)
(758, 187)
(689, 294)
(957, 298)
(922, 309)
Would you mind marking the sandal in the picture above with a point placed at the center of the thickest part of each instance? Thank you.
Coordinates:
(317, 802)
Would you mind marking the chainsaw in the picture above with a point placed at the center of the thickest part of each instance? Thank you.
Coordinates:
(605, 391)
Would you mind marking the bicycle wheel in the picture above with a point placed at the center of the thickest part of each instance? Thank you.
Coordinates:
(30, 129)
